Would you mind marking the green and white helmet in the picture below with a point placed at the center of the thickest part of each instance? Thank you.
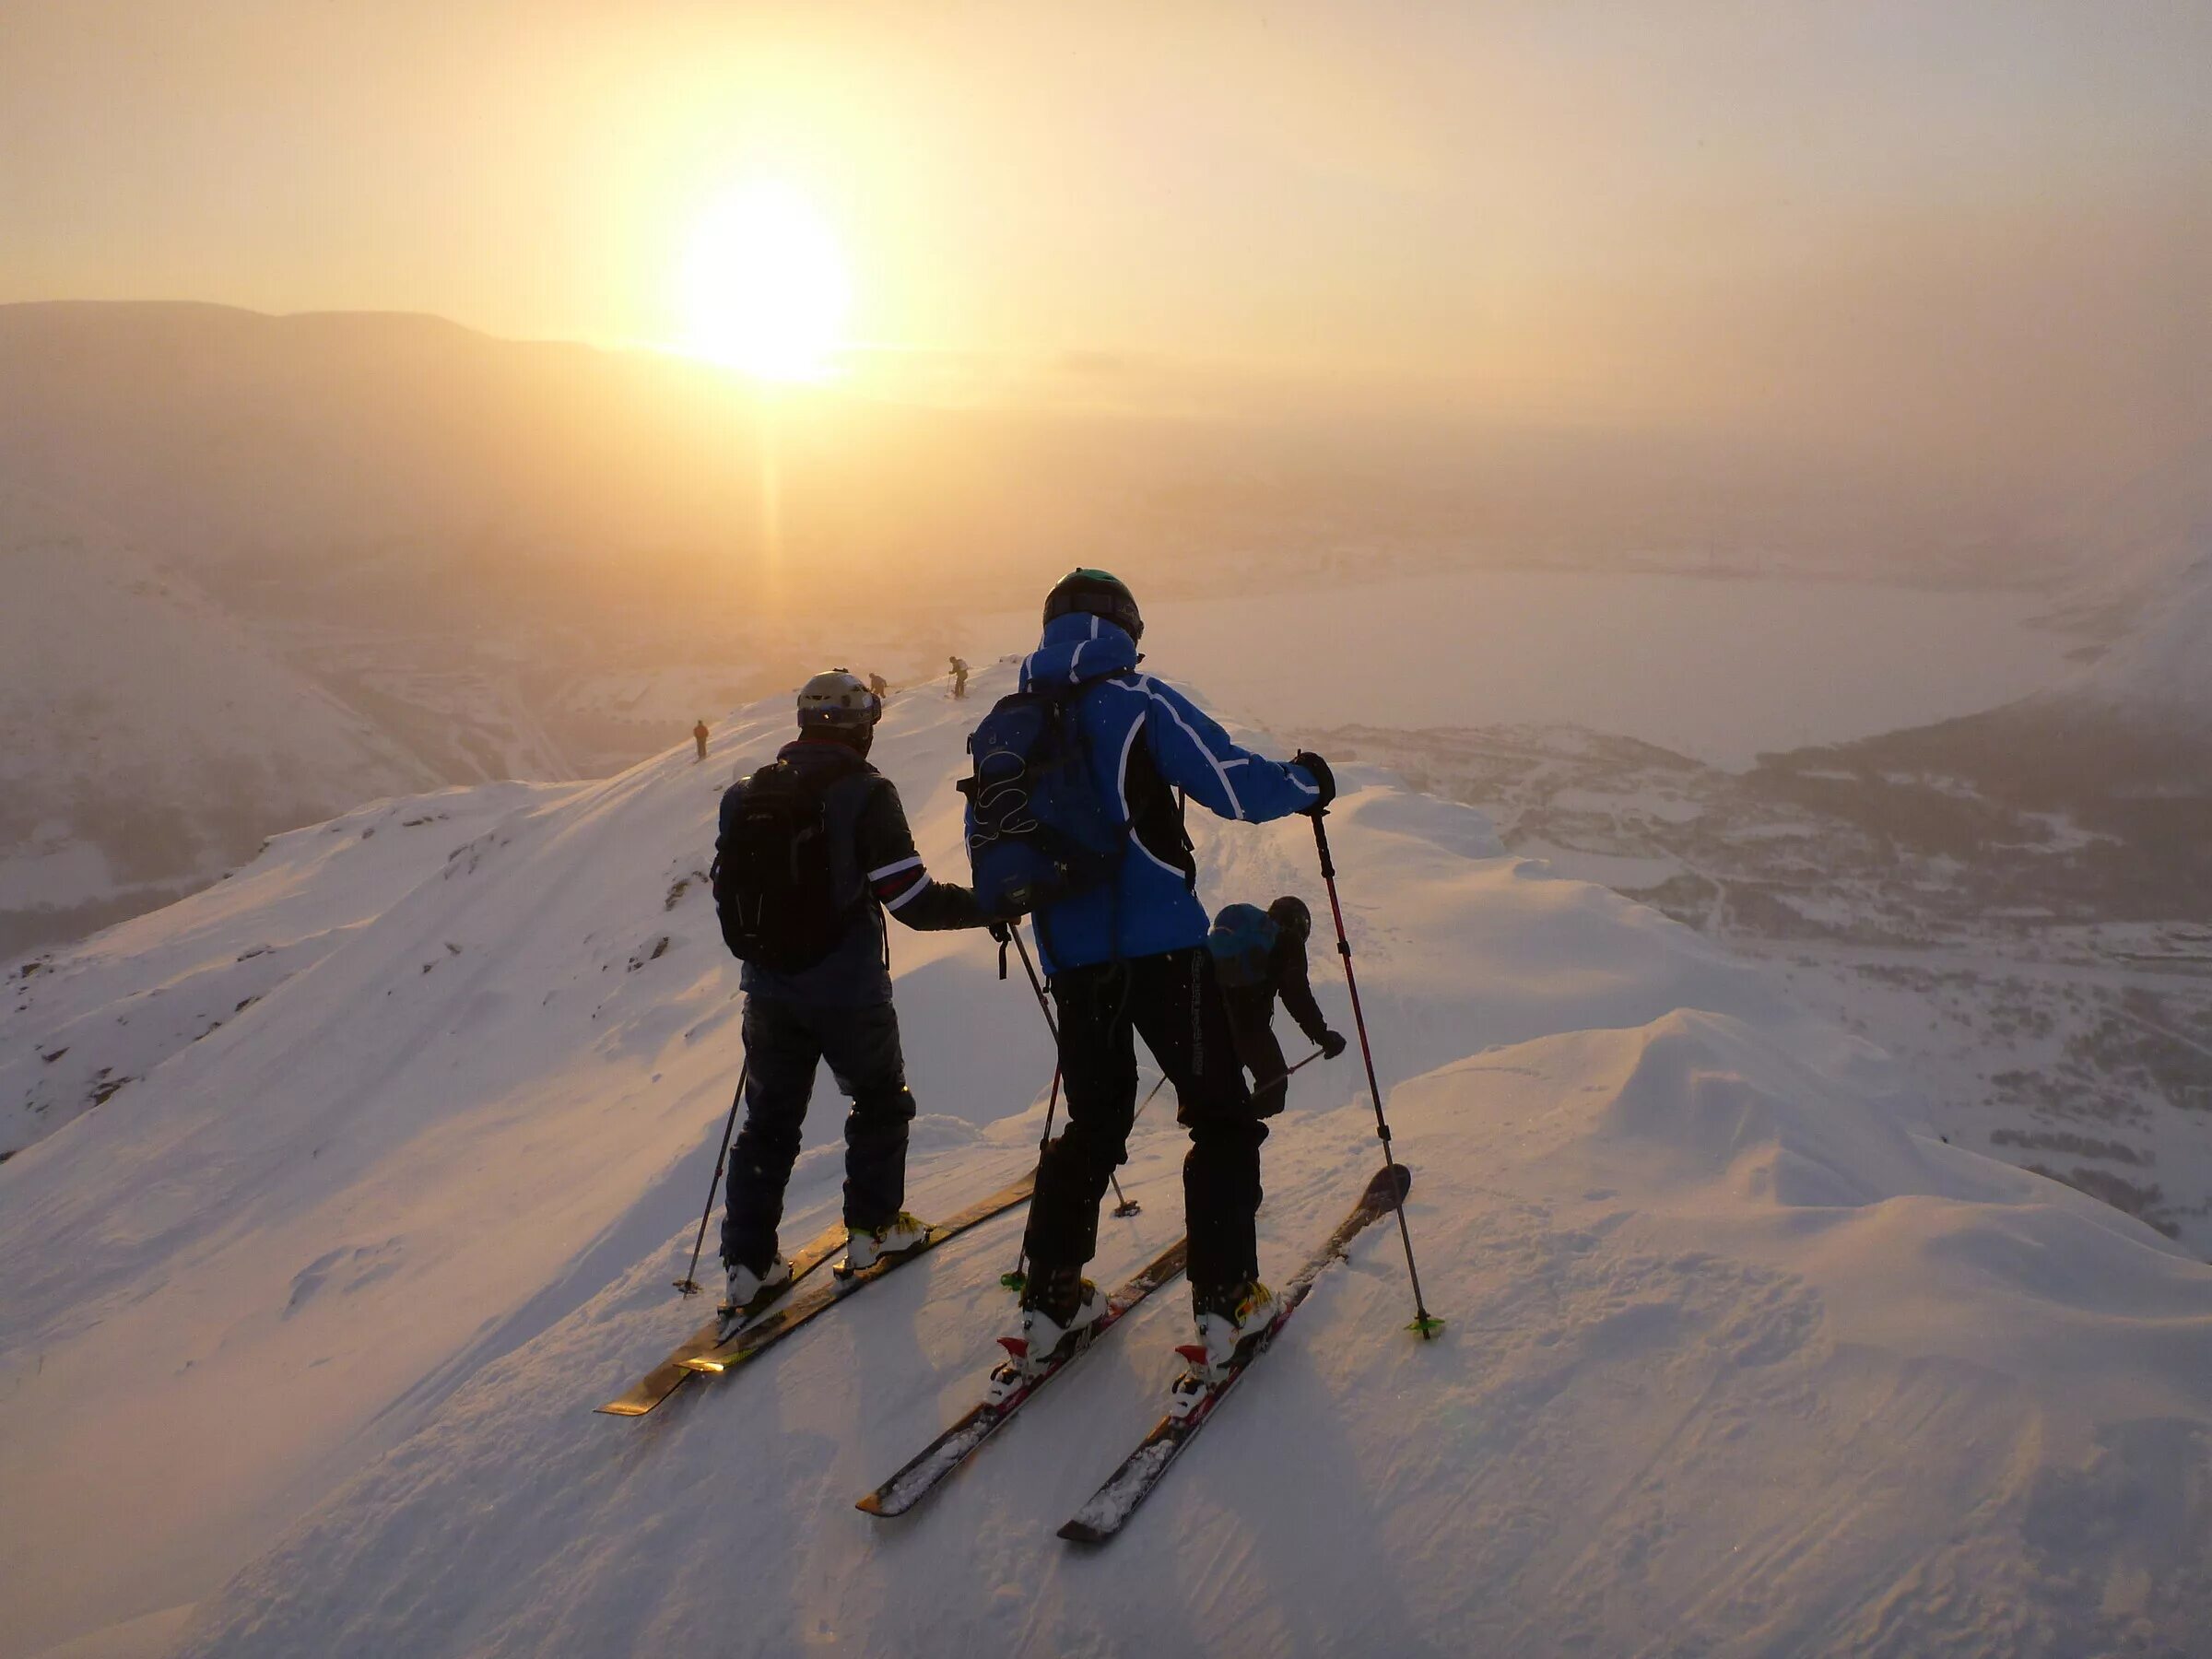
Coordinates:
(838, 698)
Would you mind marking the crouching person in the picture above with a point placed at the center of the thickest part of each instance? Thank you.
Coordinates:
(1259, 957)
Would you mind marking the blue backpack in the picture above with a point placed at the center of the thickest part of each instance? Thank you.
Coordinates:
(1038, 831)
(1242, 942)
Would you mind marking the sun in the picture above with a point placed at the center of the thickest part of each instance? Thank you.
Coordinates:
(763, 286)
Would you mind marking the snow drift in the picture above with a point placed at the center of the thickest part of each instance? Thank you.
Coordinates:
(1737, 1362)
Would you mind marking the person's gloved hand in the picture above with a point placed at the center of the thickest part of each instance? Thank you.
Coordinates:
(1319, 769)
(1332, 1045)
(1002, 929)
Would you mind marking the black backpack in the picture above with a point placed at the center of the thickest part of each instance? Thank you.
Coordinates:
(775, 884)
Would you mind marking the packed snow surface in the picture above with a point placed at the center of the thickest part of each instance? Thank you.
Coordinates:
(304, 1325)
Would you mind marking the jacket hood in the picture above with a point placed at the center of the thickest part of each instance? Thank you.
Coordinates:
(1075, 649)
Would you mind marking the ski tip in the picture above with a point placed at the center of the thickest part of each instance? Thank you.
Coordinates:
(1193, 1352)
(1390, 1184)
(870, 1505)
(1016, 1346)
(1082, 1532)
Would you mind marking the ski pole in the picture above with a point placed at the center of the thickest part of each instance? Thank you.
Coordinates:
(688, 1285)
(1121, 1203)
(1128, 1207)
(1017, 1278)
(1427, 1323)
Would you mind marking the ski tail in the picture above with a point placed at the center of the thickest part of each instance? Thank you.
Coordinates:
(1109, 1508)
(672, 1372)
(707, 1351)
(922, 1473)
(827, 1293)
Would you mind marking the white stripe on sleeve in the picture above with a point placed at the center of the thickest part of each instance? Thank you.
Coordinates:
(1236, 805)
(906, 898)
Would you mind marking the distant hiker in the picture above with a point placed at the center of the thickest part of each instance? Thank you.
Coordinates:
(1073, 816)
(959, 676)
(813, 849)
(699, 735)
(1260, 954)
(881, 686)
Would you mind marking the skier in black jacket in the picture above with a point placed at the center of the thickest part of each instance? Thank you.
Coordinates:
(839, 1009)
(1252, 1007)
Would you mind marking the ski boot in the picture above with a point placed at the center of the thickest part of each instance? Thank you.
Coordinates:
(1229, 1320)
(1058, 1305)
(747, 1293)
(865, 1246)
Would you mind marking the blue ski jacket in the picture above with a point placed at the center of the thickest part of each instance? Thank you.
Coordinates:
(1151, 906)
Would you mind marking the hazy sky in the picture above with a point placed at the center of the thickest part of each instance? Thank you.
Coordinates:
(1883, 211)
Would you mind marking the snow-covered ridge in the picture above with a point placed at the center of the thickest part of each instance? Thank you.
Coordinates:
(1735, 1355)
(2161, 672)
(83, 1023)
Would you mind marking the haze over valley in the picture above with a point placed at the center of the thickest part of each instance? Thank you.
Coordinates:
(500, 560)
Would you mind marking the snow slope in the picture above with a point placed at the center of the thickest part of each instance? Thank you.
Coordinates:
(81, 1024)
(2162, 672)
(148, 739)
(1737, 1363)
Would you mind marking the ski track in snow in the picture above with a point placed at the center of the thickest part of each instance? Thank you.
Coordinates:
(1735, 1364)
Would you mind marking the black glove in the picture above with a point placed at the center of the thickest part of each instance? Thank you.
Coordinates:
(1003, 930)
(1322, 775)
(1332, 1045)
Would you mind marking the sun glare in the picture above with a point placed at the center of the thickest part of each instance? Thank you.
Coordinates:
(763, 286)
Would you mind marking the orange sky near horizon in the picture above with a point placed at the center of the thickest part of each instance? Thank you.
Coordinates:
(1705, 211)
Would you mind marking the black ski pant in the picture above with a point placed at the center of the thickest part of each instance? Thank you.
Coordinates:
(1252, 1025)
(785, 1041)
(1172, 1002)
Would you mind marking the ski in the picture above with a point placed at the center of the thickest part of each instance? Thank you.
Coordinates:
(920, 1477)
(824, 1294)
(708, 1352)
(672, 1374)
(1111, 1506)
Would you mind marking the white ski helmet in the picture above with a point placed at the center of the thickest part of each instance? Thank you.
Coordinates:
(840, 699)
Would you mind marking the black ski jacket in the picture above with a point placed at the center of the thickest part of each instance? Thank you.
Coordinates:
(1288, 977)
(874, 869)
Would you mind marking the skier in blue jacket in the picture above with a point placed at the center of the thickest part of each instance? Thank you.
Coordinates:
(1128, 957)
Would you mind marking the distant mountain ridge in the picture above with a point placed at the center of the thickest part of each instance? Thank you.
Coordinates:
(147, 740)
